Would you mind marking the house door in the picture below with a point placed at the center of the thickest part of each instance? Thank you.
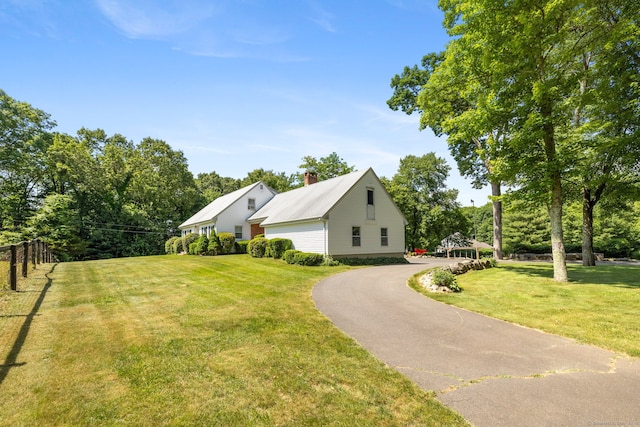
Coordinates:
(255, 230)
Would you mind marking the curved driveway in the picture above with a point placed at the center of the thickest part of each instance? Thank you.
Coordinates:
(491, 372)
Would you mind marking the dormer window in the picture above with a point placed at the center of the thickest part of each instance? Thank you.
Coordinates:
(371, 211)
(252, 204)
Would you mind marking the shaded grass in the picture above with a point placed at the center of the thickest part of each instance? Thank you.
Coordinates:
(599, 305)
(200, 341)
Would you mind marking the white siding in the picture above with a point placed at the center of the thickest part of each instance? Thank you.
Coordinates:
(306, 237)
(351, 211)
(238, 212)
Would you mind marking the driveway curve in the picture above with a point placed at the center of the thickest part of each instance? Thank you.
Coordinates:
(492, 372)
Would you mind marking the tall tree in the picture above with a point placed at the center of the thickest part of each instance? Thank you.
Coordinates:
(24, 138)
(431, 209)
(279, 181)
(607, 112)
(472, 148)
(327, 167)
(521, 63)
(211, 185)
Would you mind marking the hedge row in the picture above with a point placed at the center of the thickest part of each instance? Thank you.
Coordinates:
(279, 248)
(199, 244)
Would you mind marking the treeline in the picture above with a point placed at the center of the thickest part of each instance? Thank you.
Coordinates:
(93, 195)
(542, 98)
(527, 228)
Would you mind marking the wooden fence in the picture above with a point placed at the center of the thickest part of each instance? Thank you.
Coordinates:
(14, 258)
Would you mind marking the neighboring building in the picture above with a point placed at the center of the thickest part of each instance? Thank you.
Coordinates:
(460, 244)
(348, 216)
(229, 213)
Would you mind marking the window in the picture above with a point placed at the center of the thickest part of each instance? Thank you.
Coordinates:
(384, 237)
(355, 236)
(371, 211)
(238, 232)
(252, 204)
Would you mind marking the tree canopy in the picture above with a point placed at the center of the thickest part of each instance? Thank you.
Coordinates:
(528, 90)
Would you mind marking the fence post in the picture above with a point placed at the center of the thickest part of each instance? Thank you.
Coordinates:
(38, 252)
(25, 258)
(32, 245)
(13, 273)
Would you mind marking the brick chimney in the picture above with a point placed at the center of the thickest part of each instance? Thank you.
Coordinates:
(310, 178)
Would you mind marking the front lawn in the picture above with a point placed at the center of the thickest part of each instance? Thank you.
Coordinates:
(600, 305)
(184, 340)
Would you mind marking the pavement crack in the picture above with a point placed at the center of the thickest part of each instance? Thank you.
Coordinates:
(462, 382)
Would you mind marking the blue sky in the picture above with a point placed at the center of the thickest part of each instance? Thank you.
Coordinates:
(235, 85)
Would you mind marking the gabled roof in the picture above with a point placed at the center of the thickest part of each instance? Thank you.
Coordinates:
(219, 205)
(308, 203)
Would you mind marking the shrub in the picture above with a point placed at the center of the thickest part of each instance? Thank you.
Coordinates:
(446, 278)
(289, 255)
(308, 258)
(278, 246)
(241, 246)
(227, 242)
(200, 246)
(492, 262)
(192, 248)
(213, 248)
(178, 246)
(187, 240)
(257, 247)
(169, 245)
(486, 253)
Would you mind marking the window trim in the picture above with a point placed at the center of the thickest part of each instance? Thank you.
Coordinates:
(356, 235)
(384, 236)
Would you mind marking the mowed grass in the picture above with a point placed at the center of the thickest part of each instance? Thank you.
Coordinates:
(599, 305)
(182, 340)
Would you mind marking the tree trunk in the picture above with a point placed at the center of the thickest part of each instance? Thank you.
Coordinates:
(557, 237)
(497, 220)
(588, 257)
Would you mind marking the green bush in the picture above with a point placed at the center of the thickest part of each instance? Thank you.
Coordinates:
(486, 253)
(214, 247)
(277, 247)
(241, 246)
(227, 242)
(187, 240)
(200, 246)
(492, 262)
(192, 248)
(289, 255)
(178, 246)
(308, 259)
(446, 278)
(169, 245)
(257, 247)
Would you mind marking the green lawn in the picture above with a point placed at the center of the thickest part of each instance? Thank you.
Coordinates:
(600, 305)
(183, 340)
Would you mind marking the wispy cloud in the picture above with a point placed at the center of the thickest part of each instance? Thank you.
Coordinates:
(321, 17)
(32, 17)
(155, 19)
(223, 29)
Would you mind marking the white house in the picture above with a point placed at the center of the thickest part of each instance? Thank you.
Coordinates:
(229, 213)
(348, 216)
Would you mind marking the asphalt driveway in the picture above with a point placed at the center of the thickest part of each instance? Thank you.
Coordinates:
(492, 372)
